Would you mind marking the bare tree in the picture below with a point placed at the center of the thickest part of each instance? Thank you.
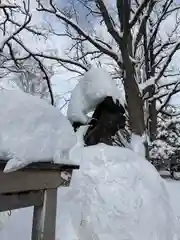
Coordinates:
(14, 55)
(137, 50)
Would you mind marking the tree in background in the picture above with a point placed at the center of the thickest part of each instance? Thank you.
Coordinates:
(137, 50)
(17, 62)
(166, 147)
(29, 78)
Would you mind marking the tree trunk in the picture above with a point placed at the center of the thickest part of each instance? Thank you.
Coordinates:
(152, 123)
(133, 96)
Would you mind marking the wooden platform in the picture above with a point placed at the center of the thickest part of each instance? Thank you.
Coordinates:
(35, 185)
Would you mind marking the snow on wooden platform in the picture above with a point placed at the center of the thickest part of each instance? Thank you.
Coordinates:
(35, 185)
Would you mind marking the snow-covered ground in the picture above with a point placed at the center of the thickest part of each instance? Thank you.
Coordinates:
(174, 193)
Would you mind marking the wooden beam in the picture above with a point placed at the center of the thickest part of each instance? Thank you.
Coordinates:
(49, 227)
(34, 180)
(20, 200)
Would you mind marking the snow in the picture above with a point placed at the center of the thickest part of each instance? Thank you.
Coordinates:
(137, 144)
(4, 217)
(139, 194)
(115, 195)
(31, 130)
(149, 82)
(174, 193)
(19, 223)
(92, 88)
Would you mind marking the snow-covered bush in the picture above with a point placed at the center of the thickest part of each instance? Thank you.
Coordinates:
(167, 144)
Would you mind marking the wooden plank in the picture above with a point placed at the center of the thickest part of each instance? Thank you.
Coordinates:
(24, 181)
(48, 165)
(37, 222)
(49, 226)
(21, 200)
(51, 166)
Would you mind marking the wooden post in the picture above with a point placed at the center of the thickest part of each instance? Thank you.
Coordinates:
(37, 222)
(49, 225)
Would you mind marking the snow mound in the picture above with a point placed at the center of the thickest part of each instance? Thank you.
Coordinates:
(92, 88)
(137, 144)
(31, 130)
(117, 195)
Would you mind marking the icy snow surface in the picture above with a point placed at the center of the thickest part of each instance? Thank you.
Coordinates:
(32, 130)
(92, 88)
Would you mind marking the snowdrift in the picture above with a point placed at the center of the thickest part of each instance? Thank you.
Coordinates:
(116, 195)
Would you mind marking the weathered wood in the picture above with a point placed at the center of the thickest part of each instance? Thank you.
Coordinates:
(20, 200)
(35, 180)
(49, 227)
(26, 187)
(48, 165)
(37, 222)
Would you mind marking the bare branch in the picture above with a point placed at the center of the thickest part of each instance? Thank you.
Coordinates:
(171, 93)
(139, 12)
(143, 25)
(168, 60)
(40, 65)
(9, 6)
(165, 8)
(81, 32)
(108, 21)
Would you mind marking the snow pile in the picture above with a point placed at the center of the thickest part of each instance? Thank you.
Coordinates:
(32, 130)
(137, 144)
(174, 192)
(93, 87)
(116, 195)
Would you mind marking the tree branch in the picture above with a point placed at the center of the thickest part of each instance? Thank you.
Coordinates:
(81, 32)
